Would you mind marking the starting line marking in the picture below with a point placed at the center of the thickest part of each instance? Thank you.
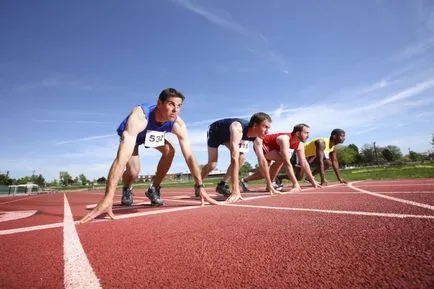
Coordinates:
(21, 199)
(154, 212)
(426, 206)
(360, 213)
(78, 272)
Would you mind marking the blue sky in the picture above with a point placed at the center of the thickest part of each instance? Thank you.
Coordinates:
(70, 71)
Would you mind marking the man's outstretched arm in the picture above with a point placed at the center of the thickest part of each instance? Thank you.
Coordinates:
(180, 130)
(335, 165)
(263, 166)
(283, 142)
(136, 123)
(305, 165)
(320, 147)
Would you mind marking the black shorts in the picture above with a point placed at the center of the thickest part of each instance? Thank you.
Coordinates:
(214, 138)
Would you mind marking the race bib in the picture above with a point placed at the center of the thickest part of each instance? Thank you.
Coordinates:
(244, 146)
(291, 152)
(154, 138)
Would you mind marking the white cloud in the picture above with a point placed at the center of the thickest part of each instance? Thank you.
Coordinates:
(223, 19)
(70, 121)
(84, 139)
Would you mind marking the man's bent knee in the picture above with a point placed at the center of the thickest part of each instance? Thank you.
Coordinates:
(212, 165)
(133, 173)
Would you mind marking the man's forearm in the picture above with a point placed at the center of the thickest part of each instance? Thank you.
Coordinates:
(235, 169)
(336, 169)
(290, 173)
(321, 170)
(306, 167)
(263, 166)
(194, 169)
(113, 178)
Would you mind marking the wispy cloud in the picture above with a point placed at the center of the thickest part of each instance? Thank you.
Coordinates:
(84, 139)
(403, 94)
(414, 50)
(224, 20)
(219, 19)
(70, 121)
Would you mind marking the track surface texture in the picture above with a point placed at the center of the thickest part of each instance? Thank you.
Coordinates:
(366, 234)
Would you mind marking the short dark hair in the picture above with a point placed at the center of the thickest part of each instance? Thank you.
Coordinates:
(337, 131)
(258, 118)
(299, 127)
(170, 92)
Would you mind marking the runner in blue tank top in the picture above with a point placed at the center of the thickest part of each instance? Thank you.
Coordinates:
(147, 124)
(234, 133)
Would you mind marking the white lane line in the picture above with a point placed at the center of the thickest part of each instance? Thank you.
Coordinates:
(78, 272)
(426, 206)
(184, 201)
(359, 213)
(22, 199)
(397, 184)
(29, 229)
(416, 182)
(126, 216)
(155, 212)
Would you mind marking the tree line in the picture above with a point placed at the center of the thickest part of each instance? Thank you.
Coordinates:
(370, 154)
(350, 155)
(65, 179)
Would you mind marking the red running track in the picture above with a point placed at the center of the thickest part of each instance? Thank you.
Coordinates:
(372, 234)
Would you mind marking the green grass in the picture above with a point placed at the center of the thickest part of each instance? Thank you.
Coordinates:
(425, 170)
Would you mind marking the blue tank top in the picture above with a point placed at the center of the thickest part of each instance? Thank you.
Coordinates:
(149, 111)
(221, 128)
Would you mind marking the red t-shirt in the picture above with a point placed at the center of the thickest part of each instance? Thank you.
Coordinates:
(270, 142)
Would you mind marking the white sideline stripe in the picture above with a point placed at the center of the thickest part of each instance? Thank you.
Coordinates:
(156, 212)
(119, 207)
(184, 201)
(359, 213)
(57, 225)
(397, 184)
(78, 272)
(22, 199)
(426, 206)
(29, 229)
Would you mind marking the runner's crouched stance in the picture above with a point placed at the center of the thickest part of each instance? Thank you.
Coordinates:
(279, 147)
(147, 124)
(234, 133)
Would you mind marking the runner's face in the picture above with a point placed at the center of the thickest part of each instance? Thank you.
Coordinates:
(170, 108)
(340, 138)
(262, 128)
(304, 134)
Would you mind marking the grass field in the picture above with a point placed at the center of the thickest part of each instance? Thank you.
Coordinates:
(423, 170)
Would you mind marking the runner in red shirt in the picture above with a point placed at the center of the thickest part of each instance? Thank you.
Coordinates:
(279, 147)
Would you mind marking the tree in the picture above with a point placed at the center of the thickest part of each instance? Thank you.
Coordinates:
(53, 183)
(83, 180)
(65, 178)
(414, 156)
(367, 153)
(101, 180)
(432, 140)
(5, 180)
(23, 180)
(245, 169)
(391, 153)
(346, 155)
(39, 180)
